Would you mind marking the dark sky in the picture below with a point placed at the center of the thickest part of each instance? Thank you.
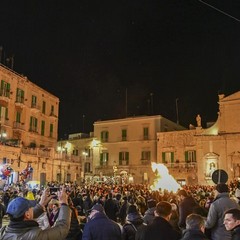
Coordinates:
(88, 53)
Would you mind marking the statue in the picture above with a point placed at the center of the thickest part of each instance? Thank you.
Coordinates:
(198, 119)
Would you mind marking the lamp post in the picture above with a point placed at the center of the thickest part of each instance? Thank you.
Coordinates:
(85, 154)
(60, 151)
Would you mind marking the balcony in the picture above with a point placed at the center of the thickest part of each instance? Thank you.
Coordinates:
(52, 115)
(181, 167)
(33, 130)
(4, 96)
(19, 126)
(20, 102)
(35, 107)
(145, 162)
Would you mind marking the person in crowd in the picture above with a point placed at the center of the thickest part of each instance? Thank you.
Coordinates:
(134, 221)
(149, 214)
(2, 212)
(100, 227)
(22, 212)
(54, 211)
(174, 217)
(195, 227)
(6, 198)
(215, 215)
(75, 231)
(43, 220)
(160, 228)
(232, 222)
(187, 204)
(111, 207)
(123, 210)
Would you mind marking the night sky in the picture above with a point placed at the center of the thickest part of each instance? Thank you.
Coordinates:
(88, 53)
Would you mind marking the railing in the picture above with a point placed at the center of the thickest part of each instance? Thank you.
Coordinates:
(18, 125)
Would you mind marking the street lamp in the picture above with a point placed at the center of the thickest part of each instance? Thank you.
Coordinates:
(85, 154)
(59, 149)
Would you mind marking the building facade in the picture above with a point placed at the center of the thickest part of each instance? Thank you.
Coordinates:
(28, 125)
(193, 155)
(128, 146)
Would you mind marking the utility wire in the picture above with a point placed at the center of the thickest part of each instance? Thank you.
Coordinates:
(236, 19)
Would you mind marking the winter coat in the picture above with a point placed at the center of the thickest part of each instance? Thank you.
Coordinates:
(236, 233)
(149, 215)
(133, 222)
(123, 212)
(111, 209)
(193, 234)
(160, 228)
(101, 228)
(75, 231)
(30, 229)
(186, 207)
(216, 216)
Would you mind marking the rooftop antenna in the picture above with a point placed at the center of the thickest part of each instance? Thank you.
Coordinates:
(1, 51)
(151, 95)
(177, 110)
(126, 103)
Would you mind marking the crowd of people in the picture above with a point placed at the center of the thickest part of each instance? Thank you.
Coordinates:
(108, 211)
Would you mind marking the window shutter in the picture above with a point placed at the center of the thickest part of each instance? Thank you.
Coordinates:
(172, 157)
(120, 158)
(186, 156)
(127, 157)
(6, 113)
(163, 157)
(101, 159)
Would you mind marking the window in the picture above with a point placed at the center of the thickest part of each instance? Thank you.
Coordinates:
(42, 128)
(87, 167)
(18, 117)
(168, 157)
(20, 96)
(145, 133)
(104, 159)
(146, 155)
(33, 124)
(52, 110)
(5, 89)
(75, 152)
(4, 113)
(190, 156)
(34, 101)
(43, 107)
(51, 130)
(104, 136)
(123, 158)
(124, 134)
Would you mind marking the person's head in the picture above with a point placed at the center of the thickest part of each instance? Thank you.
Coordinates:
(20, 209)
(164, 210)
(222, 188)
(182, 194)
(151, 203)
(231, 218)
(132, 209)
(97, 208)
(195, 221)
